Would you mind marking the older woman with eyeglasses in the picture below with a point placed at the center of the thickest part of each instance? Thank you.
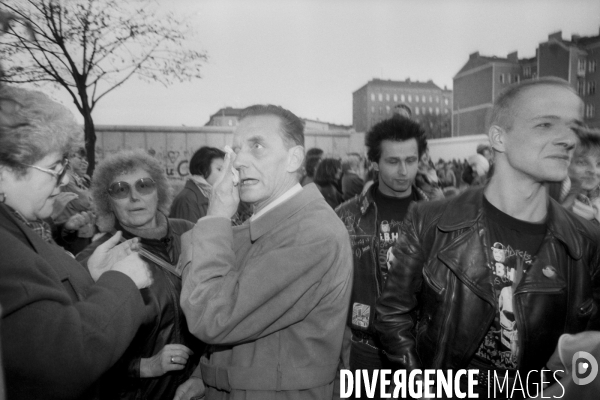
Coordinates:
(131, 193)
(62, 327)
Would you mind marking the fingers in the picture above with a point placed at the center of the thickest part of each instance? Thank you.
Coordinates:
(179, 347)
(182, 390)
(111, 242)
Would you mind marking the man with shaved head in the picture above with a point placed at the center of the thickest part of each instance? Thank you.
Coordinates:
(490, 279)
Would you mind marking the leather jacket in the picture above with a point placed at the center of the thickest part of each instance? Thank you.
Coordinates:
(359, 215)
(438, 302)
(165, 323)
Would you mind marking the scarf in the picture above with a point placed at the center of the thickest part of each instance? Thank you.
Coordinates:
(40, 227)
(203, 185)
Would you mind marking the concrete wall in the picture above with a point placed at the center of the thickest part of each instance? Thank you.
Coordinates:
(174, 146)
(457, 147)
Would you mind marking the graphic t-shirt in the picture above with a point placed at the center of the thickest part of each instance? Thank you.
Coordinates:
(390, 213)
(514, 245)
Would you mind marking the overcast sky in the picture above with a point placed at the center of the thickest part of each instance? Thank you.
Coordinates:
(310, 55)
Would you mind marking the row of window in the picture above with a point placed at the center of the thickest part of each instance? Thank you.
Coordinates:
(509, 78)
(403, 98)
(589, 111)
(416, 110)
(584, 89)
(581, 64)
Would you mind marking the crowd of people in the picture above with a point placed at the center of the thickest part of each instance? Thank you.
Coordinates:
(274, 268)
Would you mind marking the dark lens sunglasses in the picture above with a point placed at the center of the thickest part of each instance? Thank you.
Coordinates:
(121, 190)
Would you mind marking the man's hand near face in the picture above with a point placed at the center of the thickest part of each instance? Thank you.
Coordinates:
(225, 197)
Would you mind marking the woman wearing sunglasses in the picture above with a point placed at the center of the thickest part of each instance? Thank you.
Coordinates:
(131, 193)
(61, 331)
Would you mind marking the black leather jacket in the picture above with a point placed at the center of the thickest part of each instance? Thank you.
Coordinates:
(165, 324)
(438, 302)
(359, 215)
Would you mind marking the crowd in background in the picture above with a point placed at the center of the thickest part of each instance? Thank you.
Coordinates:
(129, 206)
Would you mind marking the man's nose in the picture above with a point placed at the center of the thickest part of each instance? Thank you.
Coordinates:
(240, 159)
(402, 168)
(568, 139)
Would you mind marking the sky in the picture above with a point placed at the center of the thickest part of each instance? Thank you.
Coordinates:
(309, 56)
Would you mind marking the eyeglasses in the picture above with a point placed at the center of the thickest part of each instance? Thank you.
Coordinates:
(59, 175)
(121, 190)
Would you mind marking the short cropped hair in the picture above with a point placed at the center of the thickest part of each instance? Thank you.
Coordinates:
(202, 159)
(33, 126)
(327, 170)
(123, 162)
(503, 111)
(292, 127)
(396, 129)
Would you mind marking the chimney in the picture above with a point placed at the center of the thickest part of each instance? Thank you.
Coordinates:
(555, 35)
(513, 57)
(474, 55)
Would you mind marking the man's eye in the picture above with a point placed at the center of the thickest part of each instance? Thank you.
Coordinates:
(544, 125)
(257, 146)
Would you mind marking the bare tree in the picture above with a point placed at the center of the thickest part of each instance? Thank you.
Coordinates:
(91, 47)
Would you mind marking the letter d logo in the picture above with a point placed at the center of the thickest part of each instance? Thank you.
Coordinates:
(585, 368)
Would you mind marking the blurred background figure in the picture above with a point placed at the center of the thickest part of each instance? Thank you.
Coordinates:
(476, 171)
(402, 110)
(447, 176)
(311, 160)
(75, 225)
(427, 179)
(62, 327)
(327, 175)
(206, 167)
(353, 173)
(131, 193)
(583, 196)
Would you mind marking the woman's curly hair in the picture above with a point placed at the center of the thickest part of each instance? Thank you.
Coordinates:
(124, 162)
(33, 126)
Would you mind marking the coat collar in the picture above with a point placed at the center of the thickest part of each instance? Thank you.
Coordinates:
(464, 210)
(277, 216)
(28, 236)
(366, 199)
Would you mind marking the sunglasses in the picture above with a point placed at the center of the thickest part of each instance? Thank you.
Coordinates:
(121, 190)
(59, 175)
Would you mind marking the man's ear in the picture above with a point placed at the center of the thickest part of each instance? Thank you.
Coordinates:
(497, 136)
(295, 158)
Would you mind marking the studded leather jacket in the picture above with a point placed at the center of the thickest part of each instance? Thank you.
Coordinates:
(359, 214)
(438, 302)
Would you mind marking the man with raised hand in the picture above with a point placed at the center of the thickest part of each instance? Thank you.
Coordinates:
(271, 295)
(490, 279)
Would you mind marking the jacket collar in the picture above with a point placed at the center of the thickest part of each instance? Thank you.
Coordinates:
(277, 216)
(464, 210)
(366, 199)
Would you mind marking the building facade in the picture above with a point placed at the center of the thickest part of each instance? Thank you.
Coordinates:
(482, 78)
(431, 105)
